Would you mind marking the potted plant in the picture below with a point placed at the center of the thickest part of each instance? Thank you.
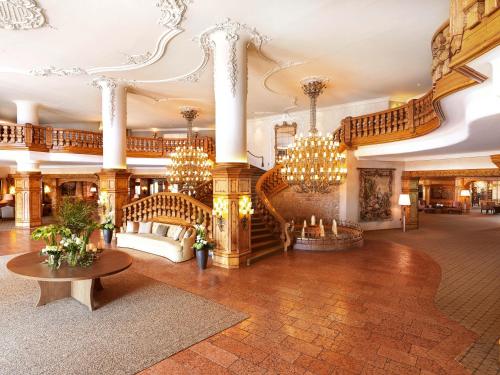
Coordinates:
(107, 229)
(202, 246)
(52, 249)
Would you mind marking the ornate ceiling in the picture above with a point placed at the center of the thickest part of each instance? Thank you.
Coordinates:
(52, 50)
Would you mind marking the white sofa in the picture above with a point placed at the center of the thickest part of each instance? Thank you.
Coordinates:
(176, 244)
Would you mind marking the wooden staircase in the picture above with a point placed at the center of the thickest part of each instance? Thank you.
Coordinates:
(264, 242)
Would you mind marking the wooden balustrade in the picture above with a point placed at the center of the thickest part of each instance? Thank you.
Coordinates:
(203, 192)
(145, 147)
(76, 141)
(269, 184)
(169, 205)
(410, 120)
(471, 31)
(46, 138)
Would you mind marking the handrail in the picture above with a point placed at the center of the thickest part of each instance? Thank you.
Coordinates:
(173, 205)
(49, 139)
(202, 191)
(267, 185)
(415, 118)
(257, 157)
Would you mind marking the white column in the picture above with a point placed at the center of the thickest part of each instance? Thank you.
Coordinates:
(27, 112)
(229, 42)
(114, 123)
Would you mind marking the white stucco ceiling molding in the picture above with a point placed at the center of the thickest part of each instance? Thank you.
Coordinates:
(21, 15)
(172, 14)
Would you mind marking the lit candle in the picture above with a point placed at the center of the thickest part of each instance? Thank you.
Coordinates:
(303, 234)
(320, 222)
(305, 223)
(334, 227)
(321, 230)
(313, 220)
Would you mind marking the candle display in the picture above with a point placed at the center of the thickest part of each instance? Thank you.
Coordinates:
(313, 220)
(334, 227)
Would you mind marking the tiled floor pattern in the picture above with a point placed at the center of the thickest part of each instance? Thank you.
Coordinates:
(467, 248)
(368, 311)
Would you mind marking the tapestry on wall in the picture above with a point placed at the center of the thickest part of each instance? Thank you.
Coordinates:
(375, 193)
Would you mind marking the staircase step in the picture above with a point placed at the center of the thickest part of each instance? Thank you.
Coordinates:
(266, 244)
(261, 237)
(259, 231)
(263, 253)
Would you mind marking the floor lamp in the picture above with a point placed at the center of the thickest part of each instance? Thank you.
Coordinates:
(404, 200)
(465, 194)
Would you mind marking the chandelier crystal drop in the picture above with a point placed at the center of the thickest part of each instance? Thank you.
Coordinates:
(191, 166)
(314, 163)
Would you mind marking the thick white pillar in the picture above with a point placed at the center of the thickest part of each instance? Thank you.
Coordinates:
(27, 112)
(114, 123)
(229, 42)
(28, 166)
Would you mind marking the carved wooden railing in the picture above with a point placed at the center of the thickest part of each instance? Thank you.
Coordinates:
(413, 119)
(46, 138)
(472, 30)
(203, 192)
(267, 185)
(172, 205)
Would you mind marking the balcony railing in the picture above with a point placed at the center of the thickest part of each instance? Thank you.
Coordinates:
(48, 139)
(411, 120)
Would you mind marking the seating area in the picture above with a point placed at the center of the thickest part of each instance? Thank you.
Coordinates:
(174, 242)
(489, 207)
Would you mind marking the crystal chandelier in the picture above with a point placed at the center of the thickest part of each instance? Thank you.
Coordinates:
(314, 163)
(190, 164)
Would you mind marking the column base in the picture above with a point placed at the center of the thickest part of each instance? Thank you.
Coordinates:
(229, 260)
(115, 182)
(28, 210)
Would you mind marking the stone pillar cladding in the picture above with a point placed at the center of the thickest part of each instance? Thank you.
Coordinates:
(28, 187)
(231, 182)
(410, 186)
(27, 112)
(115, 182)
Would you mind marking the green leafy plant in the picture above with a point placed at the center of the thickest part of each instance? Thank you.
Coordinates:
(201, 241)
(50, 233)
(108, 223)
(77, 215)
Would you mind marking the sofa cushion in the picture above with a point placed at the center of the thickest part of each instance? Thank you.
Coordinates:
(188, 232)
(145, 227)
(132, 227)
(174, 231)
(160, 229)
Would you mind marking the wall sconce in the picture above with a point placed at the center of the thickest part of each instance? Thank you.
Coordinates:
(12, 190)
(219, 211)
(246, 210)
(46, 189)
(93, 189)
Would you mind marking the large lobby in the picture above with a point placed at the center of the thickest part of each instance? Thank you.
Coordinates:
(265, 187)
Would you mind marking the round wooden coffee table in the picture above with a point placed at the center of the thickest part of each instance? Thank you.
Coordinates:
(77, 282)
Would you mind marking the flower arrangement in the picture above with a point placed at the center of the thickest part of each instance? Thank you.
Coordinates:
(68, 241)
(201, 242)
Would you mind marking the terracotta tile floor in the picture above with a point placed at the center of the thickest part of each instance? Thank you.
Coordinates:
(467, 247)
(368, 311)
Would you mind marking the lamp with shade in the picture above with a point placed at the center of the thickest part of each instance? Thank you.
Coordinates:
(464, 194)
(404, 201)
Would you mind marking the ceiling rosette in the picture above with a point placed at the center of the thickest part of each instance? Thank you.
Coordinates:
(21, 15)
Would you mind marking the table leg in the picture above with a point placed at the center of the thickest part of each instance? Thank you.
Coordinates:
(83, 292)
(52, 291)
(98, 285)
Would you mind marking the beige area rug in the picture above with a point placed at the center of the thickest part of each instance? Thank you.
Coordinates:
(141, 322)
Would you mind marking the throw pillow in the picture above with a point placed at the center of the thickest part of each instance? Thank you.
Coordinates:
(172, 230)
(181, 234)
(161, 230)
(175, 232)
(154, 228)
(188, 233)
(132, 227)
(145, 227)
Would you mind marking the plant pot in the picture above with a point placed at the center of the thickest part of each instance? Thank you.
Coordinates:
(107, 235)
(202, 258)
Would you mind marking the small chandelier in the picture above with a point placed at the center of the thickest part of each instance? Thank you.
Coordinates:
(190, 164)
(314, 163)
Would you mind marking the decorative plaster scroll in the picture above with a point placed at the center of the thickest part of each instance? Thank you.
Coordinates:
(53, 71)
(281, 66)
(172, 14)
(21, 15)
